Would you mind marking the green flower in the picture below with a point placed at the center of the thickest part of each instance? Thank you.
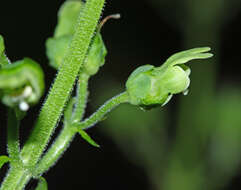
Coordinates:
(21, 84)
(150, 86)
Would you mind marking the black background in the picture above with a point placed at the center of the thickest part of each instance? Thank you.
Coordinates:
(142, 36)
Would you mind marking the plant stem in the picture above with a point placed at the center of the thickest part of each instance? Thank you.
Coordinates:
(102, 111)
(13, 137)
(67, 134)
(82, 94)
(15, 176)
(24, 180)
(56, 150)
(59, 93)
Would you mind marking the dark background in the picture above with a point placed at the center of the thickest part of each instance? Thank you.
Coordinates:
(141, 36)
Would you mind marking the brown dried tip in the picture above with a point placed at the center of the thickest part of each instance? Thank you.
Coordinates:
(114, 16)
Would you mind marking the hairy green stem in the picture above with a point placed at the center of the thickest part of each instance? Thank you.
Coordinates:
(14, 178)
(59, 94)
(102, 111)
(23, 181)
(13, 137)
(82, 94)
(67, 134)
(56, 150)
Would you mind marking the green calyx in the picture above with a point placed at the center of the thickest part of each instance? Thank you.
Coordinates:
(21, 84)
(2, 47)
(150, 86)
(3, 58)
(96, 56)
(57, 45)
(67, 18)
(56, 49)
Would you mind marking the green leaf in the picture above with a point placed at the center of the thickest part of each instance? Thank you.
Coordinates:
(42, 184)
(86, 137)
(3, 159)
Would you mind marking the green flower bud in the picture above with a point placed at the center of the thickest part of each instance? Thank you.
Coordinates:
(150, 86)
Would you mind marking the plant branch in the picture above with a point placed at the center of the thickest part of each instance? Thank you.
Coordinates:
(102, 111)
(13, 178)
(67, 134)
(56, 150)
(82, 95)
(13, 137)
